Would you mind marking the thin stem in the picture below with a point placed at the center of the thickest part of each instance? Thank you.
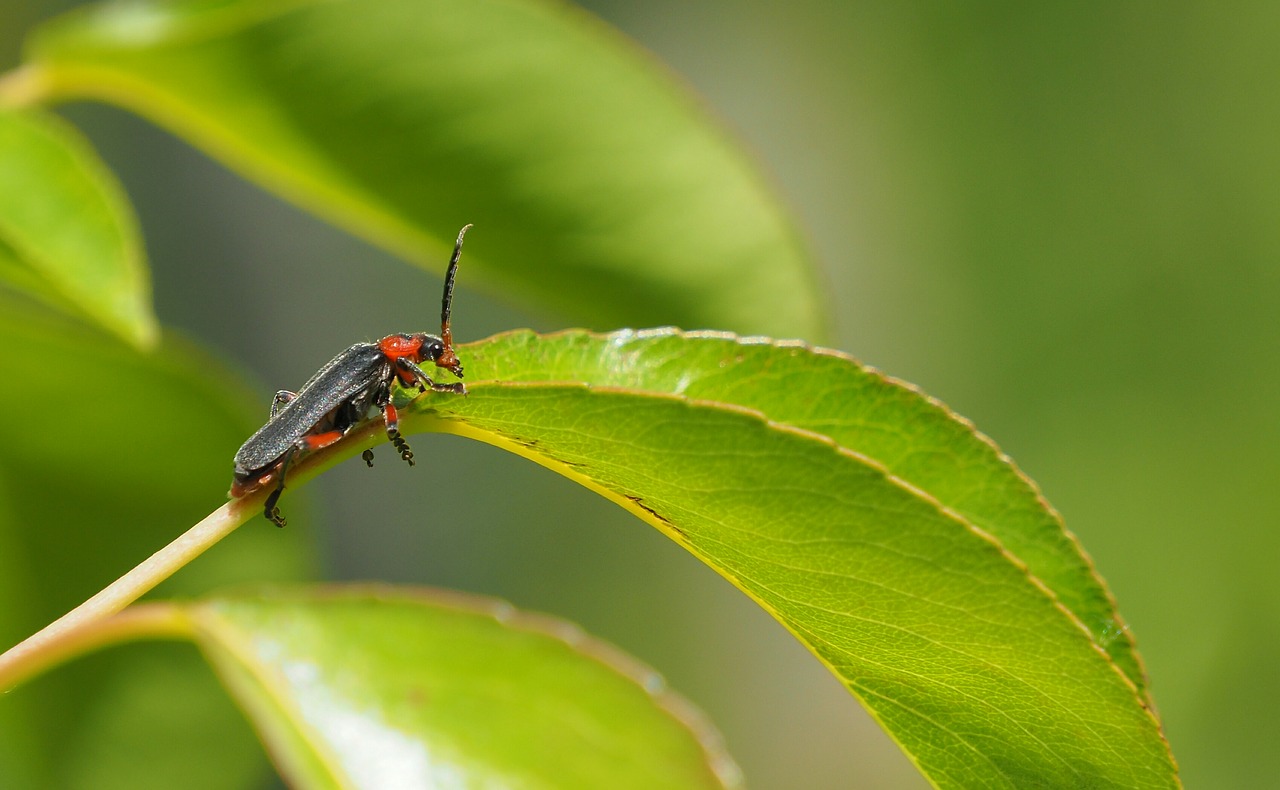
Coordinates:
(149, 620)
(34, 653)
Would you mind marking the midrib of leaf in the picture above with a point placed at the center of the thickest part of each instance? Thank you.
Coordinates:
(599, 469)
(975, 480)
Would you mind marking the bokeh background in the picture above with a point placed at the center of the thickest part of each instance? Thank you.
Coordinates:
(1061, 219)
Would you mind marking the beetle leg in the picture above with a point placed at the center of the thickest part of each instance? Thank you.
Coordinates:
(360, 407)
(357, 408)
(309, 443)
(269, 508)
(391, 416)
(424, 381)
(278, 402)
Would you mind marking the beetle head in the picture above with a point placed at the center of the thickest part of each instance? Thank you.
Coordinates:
(436, 350)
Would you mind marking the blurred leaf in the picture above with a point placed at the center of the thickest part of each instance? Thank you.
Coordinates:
(67, 233)
(117, 452)
(970, 662)
(22, 757)
(158, 706)
(379, 688)
(603, 189)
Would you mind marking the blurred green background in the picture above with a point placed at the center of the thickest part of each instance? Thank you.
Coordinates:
(1061, 219)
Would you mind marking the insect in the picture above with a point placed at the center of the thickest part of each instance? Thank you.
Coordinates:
(341, 395)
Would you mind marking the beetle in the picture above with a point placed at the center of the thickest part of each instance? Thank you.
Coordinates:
(341, 396)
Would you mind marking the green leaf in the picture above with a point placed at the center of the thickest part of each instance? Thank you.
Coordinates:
(67, 233)
(103, 461)
(913, 437)
(381, 688)
(602, 189)
(737, 450)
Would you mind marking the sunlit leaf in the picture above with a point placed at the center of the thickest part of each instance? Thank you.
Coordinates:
(914, 437)
(384, 688)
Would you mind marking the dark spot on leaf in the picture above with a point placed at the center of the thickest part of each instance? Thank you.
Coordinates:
(416, 697)
(640, 504)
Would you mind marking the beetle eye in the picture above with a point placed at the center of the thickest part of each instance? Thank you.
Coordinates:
(433, 350)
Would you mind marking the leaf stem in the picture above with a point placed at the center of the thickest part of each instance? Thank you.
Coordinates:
(153, 620)
(59, 639)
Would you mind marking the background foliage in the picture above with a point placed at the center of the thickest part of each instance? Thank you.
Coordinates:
(1058, 220)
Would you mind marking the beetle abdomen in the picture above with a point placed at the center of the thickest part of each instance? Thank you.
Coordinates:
(330, 388)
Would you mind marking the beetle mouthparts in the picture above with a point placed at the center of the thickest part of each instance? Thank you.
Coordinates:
(450, 362)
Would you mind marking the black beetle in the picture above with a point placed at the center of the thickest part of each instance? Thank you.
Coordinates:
(340, 396)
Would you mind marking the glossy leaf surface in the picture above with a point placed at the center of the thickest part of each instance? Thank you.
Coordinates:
(383, 688)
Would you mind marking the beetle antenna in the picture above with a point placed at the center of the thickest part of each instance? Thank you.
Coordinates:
(446, 304)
